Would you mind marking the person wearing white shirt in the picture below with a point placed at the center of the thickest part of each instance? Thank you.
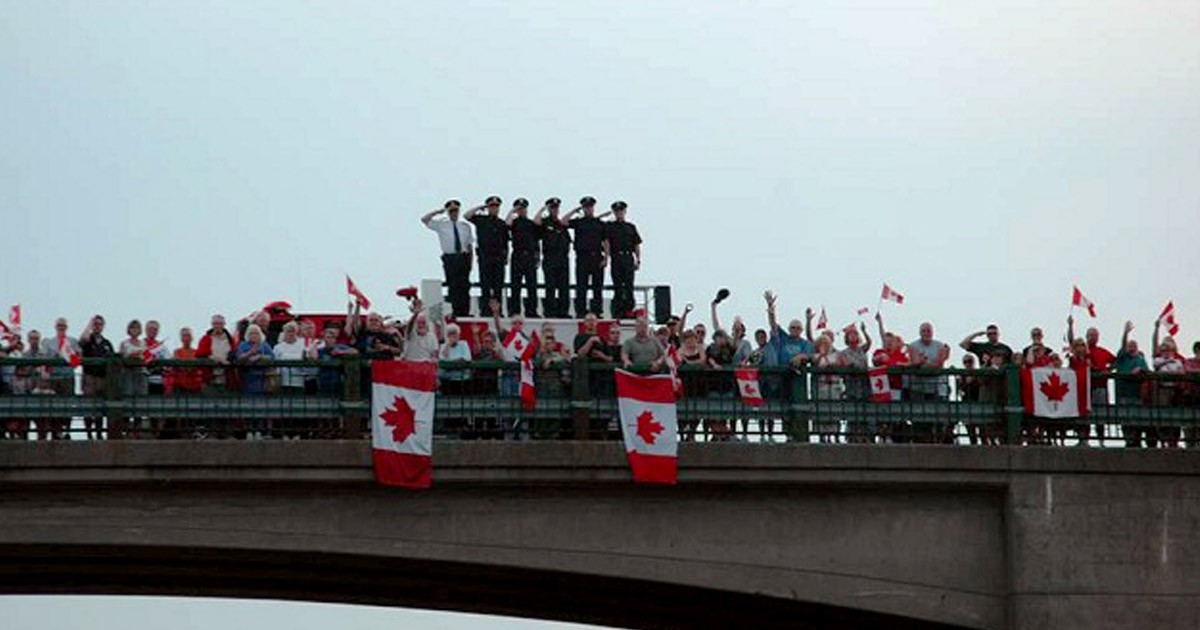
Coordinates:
(458, 243)
(290, 347)
(421, 343)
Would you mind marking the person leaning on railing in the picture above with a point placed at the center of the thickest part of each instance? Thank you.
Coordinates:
(1165, 392)
(1191, 393)
(554, 364)
(642, 348)
(1131, 362)
(454, 381)
(217, 345)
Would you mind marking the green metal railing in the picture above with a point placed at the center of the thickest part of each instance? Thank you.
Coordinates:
(115, 399)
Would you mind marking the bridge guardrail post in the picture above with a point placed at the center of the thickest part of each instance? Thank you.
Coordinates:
(581, 398)
(798, 410)
(352, 370)
(1014, 408)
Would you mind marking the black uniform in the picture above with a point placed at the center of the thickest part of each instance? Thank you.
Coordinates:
(524, 234)
(623, 238)
(589, 271)
(556, 253)
(492, 236)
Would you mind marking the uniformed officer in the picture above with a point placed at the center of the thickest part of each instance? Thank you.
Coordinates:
(624, 246)
(457, 243)
(590, 258)
(524, 235)
(492, 233)
(556, 250)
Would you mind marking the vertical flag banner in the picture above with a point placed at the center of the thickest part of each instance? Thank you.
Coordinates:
(650, 426)
(1080, 300)
(747, 382)
(881, 385)
(403, 394)
(1050, 392)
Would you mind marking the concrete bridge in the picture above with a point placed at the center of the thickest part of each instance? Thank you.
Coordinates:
(754, 536)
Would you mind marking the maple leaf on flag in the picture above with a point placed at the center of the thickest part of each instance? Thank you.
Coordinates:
(749, 390)
(647, 427)
(402, 419)
(1054, 388)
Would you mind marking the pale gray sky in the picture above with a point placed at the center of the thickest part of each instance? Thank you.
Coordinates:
(169, 160)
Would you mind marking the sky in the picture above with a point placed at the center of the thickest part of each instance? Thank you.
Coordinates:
(171, 160)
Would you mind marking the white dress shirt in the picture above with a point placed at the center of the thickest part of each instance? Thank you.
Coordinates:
(445, 231)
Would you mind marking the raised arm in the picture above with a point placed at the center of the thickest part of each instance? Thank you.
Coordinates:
(1070, 329)
(772, 322)
(570, 215)
(1125, 335)
(808, 317)
(428, 218)
(716, 321)
(879, 321)
(965, 344)
(537, 218)
(1154, 339)
(472, 212)
(512, 214)
(866, 337)
(604, 215)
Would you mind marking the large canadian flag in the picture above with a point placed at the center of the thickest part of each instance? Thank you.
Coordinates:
(649, 424)
(402, 402)
(881, 385)
(747, 382)
(1050, 392)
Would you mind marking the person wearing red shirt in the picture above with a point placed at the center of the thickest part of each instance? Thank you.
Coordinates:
(893, 353)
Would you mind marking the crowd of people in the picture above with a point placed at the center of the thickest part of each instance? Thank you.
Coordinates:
(243, 359)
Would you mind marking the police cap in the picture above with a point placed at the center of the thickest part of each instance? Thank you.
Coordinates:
(553, 202)
(587, 201)
(492, 201)
(520, 202)
(619, 205)
(453, 203)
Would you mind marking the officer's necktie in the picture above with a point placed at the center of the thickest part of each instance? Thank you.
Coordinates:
(457, 240)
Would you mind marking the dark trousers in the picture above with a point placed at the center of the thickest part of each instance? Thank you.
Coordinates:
(556, 271)
(622, 277)
(458, 281)
(589, 274)
(523, 276)
(491, 282)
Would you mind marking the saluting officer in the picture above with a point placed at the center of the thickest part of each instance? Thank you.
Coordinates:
(524, 234)
(492, 232)
(624, 246)
(457, 242)
(590, 257)
(556, 250)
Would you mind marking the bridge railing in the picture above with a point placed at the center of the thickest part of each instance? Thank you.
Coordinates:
(119, 399)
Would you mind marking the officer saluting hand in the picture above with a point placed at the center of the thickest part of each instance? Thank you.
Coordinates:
(457, 243)
(624, 245)
(492, 232)
(590, 257)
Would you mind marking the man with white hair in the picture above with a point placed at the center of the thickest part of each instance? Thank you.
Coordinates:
(791, 348)
(422, 341)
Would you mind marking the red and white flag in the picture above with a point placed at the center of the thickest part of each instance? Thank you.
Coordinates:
(863, 311)
(672, 361)
(890, 294)
(881, 385)
(747, 382)
(14, 319)
(359, 298)
(1078, 299)
(1167, 319)
(155, 350)
(519, 348)
(68, 353)
(822, 321)
(402, 402)
(649, 424)
(1050, 392)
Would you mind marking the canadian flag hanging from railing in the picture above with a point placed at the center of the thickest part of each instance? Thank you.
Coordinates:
(402, 404)
(519, 348)
(648, 421)
(747, 382)
(1050, 392)
(881, 386)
